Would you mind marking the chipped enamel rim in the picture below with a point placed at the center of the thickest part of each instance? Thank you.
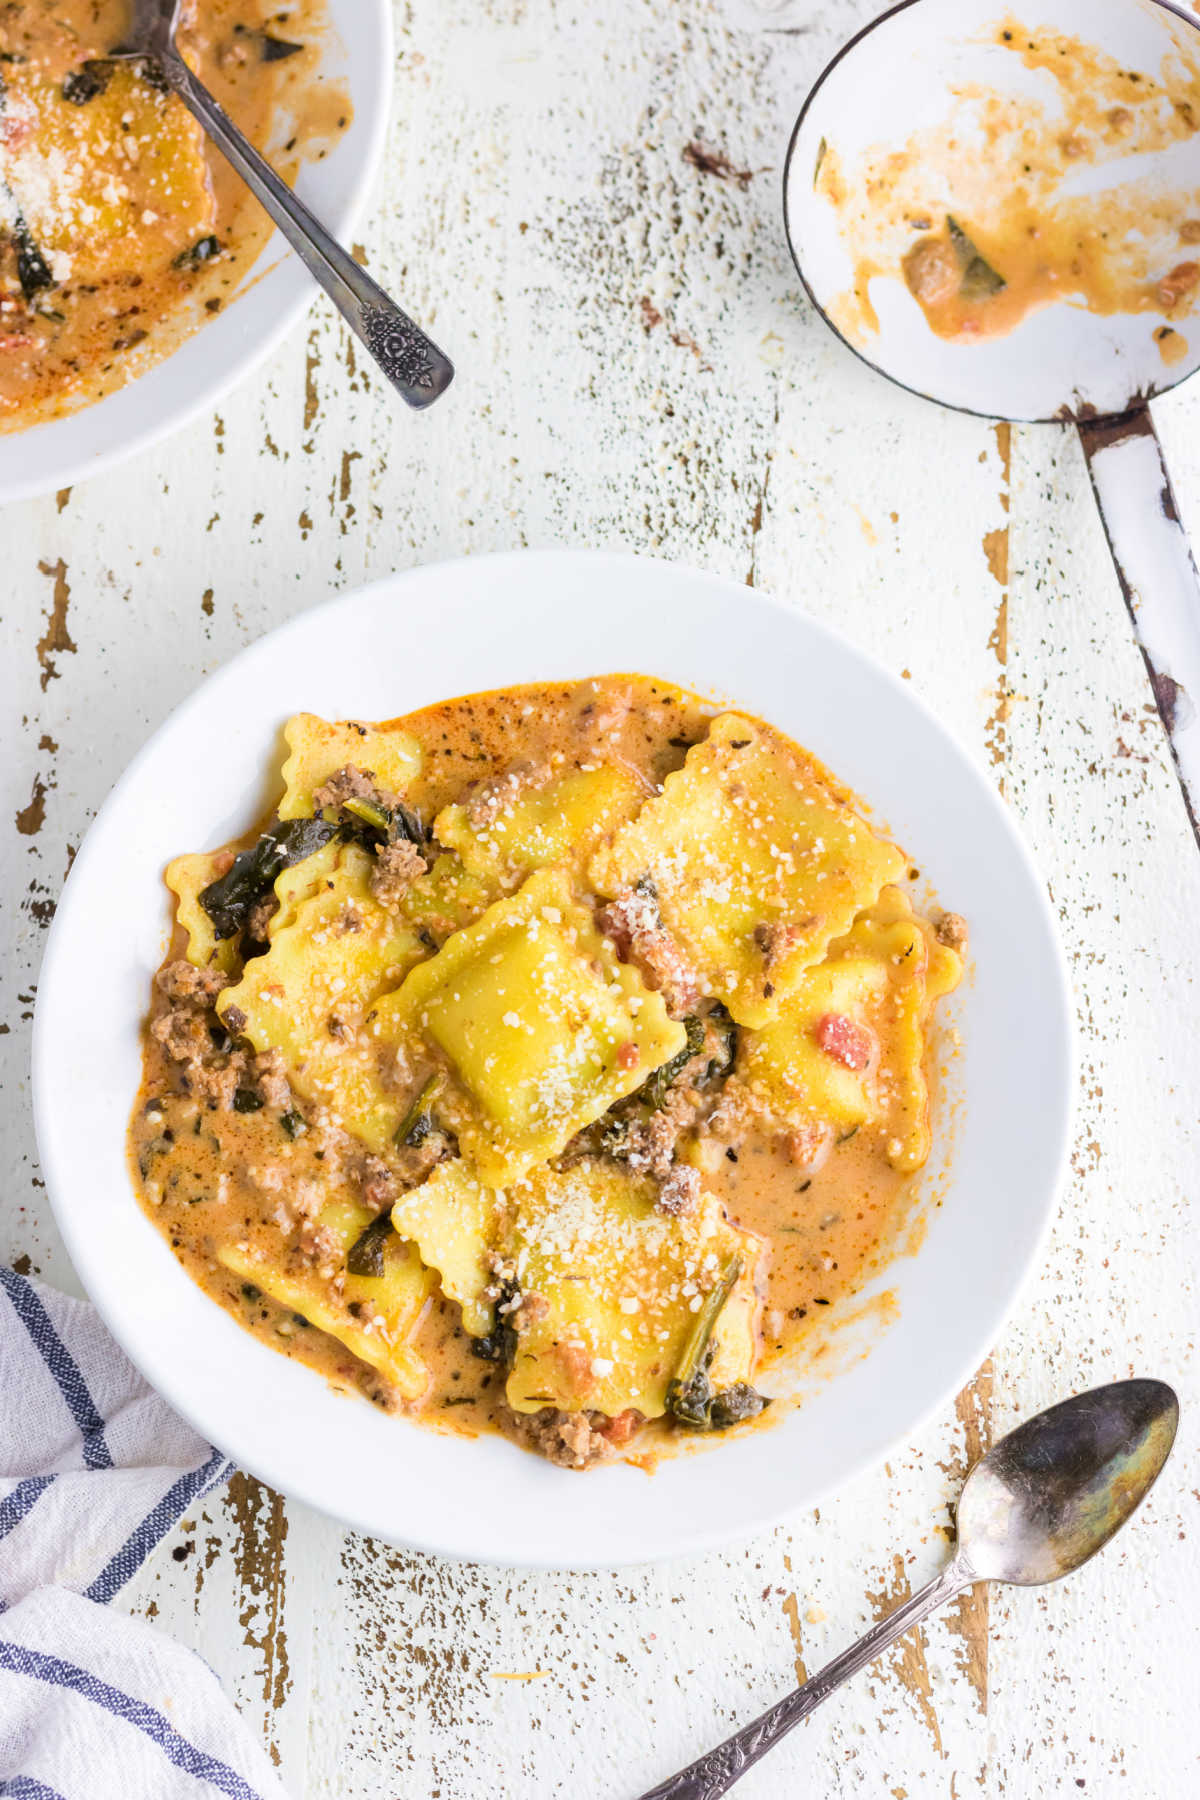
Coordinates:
(275, 292)
(527, 616)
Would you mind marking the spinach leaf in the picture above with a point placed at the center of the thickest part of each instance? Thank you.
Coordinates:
(654, 1092)
(197, 254)
(228, 900)
(374, 822)
(418, 1122)
(86, 82)
(690, 1395)
(274, 49)
(365, 1255)
(500, 1344)
(33, 271)
(979, 279)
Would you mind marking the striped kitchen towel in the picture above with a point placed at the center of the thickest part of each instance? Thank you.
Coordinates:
(94, 1469)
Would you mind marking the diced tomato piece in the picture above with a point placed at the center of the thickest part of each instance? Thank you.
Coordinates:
(618, 1431)
(843, 1040)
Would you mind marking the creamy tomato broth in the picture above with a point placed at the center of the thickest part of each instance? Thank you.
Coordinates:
(325, 1121)
(121, 230)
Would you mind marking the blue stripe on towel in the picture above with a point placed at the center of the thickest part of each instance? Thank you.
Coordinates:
(24, 1787)
(62, 1366)
(137, 1547)
(21, 1500)
(19, 1660)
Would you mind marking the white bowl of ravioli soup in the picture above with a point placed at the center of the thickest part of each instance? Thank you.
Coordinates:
(328, 129)
(892, 1355)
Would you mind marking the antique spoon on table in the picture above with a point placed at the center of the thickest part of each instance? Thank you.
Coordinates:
(416, 368)
(926, 61)
(1037, 1506)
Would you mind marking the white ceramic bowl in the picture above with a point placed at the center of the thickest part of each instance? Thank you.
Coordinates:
(499, 620)
(357, 49)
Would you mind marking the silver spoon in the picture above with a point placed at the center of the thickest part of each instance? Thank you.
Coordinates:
(1038, 1505)
(416, 368)
(1064, 364)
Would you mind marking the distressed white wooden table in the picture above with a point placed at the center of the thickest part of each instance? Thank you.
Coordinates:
(637, 369)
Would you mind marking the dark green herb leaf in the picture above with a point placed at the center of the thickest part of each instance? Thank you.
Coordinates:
(689, 1393)
(500, 1344)
(691, 1401)
(275, 49)
(419, 1121)
(293, 1124)
(228, 900)
(33, 271)
(365, 1255)
(735, 1404)
(370, 812)
(84, 83)
(247, 1100)
(979, 279)
(654, 1091)
(199, 253)
(386, 824)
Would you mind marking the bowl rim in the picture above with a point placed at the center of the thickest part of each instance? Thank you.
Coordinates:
(373, 106)
(691, 1538)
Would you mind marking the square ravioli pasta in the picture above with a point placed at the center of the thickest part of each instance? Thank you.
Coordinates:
(755, 864)
(848, 1048)
(96, 211)
(310, 996)
(603, 1290)
(390, 756)
(372, 1316)
(539, 818)
(542, 1028)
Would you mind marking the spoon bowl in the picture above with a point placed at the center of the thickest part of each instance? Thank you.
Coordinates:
(1054, 1491)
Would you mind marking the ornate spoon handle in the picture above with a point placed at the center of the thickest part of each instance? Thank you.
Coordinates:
(716, 1772)
(414, 365)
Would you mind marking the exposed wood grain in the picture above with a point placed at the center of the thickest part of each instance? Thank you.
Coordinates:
(637, 368)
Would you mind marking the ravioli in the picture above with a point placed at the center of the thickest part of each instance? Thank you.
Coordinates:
(95, 212)
(187, 877)
(620, 1283)
(446, 898)
(541, 1025)
(300, 882)
(757, 862)
(883, 976)
(395, 1299)
(310, 996)
(454, 1221)
(317, 749)
(556, 823)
